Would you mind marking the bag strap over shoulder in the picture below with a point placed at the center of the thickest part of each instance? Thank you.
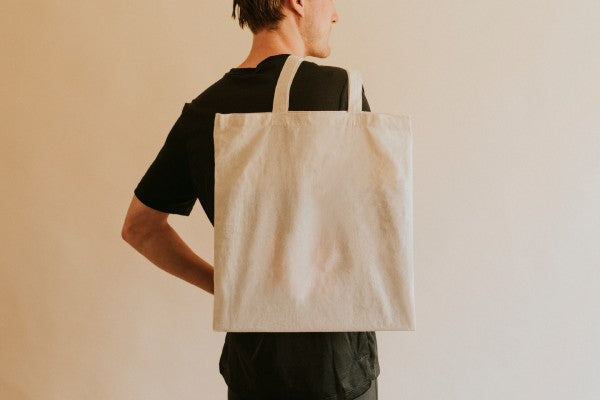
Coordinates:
(284, 83)
(354, 90)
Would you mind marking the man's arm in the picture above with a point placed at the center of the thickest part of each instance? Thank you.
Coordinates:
(148, 231)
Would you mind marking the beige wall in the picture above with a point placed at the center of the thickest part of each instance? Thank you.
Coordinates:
(504, 97)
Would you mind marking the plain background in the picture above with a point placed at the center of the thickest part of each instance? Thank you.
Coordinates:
(504, 97)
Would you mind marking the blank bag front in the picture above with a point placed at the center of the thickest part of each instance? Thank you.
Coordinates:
(313, 217)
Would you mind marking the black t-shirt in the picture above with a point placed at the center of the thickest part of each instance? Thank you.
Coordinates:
(304, 365)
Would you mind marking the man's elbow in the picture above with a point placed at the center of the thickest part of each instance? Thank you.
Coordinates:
(141, 222)
(133, 233)
(127, 232)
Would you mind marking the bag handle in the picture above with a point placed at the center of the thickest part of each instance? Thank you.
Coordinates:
(284, 82)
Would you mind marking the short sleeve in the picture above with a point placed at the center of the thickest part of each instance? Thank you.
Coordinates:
(167, 185)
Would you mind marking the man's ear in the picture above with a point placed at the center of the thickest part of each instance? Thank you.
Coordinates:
(297, 6)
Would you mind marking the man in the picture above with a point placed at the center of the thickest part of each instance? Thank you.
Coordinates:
(255, 365)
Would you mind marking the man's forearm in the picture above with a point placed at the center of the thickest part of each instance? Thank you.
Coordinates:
(165, 249)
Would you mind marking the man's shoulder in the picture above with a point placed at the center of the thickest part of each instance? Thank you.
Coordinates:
(318, 87)
(323, 68)
(327, 73)
(313, 83)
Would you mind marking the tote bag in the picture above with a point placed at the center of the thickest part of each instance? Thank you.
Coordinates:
(313, 217)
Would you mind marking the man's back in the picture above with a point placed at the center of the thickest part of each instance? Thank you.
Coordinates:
(303, 365)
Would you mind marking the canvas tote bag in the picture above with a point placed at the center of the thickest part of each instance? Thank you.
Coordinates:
(313, 217)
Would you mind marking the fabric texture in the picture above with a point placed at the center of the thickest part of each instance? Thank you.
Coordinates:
(318, 365)
(313, 217)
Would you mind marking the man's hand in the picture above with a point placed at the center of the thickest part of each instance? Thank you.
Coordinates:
(148, 231)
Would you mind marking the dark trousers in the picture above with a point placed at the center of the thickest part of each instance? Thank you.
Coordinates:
(370, 394)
